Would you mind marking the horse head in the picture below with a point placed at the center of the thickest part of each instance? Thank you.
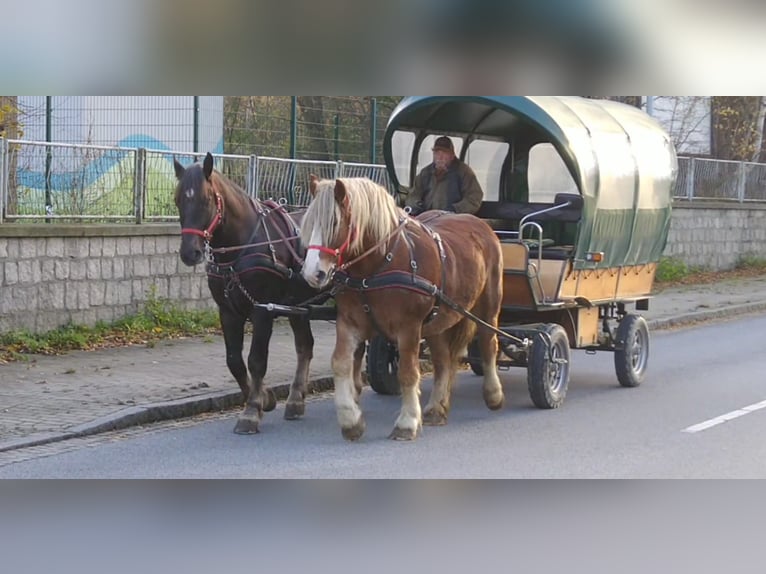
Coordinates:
(200, 208)
(344, 218)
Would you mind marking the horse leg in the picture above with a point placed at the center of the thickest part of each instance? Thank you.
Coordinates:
(410, 422)
(258, 400)
(234, 335)
(349, 414)
(493, 389)
(489, 310)
(437, 409)
(304, 349)
(358, 383)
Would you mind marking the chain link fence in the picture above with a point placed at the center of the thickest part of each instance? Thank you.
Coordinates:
(708, 179)
(45, 182)
(42, 182)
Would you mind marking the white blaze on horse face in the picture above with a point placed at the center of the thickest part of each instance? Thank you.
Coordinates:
(316, 272)
(190, 193)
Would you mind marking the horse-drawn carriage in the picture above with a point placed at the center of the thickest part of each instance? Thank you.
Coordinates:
(579, 192)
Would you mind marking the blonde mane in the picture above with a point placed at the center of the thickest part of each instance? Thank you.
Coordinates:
(374, 213)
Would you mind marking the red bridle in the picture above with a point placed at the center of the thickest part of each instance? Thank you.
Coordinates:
(207, 234)
(338, 253)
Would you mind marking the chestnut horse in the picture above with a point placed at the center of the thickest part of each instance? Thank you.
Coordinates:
(393, 275)
(252, 253)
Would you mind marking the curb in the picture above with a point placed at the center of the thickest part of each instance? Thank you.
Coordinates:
(688, 319)
(192, 406)
(157, 412)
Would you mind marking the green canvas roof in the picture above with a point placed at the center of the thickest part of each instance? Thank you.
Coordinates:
(622, 161)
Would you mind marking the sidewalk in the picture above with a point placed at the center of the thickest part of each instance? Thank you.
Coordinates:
(49, 399)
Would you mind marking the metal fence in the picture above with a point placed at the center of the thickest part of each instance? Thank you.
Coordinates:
(63, 182)
(709, 179)
(70, 183)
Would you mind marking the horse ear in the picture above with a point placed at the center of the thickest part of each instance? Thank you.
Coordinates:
(180, 170)
(208, 166)
(313, 185)
(340, 192)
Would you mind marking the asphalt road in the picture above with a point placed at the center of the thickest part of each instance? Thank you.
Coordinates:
(668, 428)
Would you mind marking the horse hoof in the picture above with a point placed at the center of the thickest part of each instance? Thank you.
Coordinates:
(356, 432)
(434, 419)
(495, 402)
(271, 401)
(246, 427)
(294, 411)
(403, 435)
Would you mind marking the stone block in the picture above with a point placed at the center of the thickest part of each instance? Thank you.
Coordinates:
(94, 269)
(11, 273)
(106, 268)
(25, 272)
(70, 296)
(48, 270)
(118, 268)
(62, 269)
(157, 266)
(149, 246)
(28, 248)
(78, 270)
(54, 247)
(136, 245)
(96, 246)
(97, 291)
(123, 246)
(125, 293)
(140, 267)
(109, 248)
(83, 296)
(12, 248)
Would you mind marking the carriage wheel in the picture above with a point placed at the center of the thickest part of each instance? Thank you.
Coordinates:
(548, 368)
(631, 355)
(383, 367)
(474, 358)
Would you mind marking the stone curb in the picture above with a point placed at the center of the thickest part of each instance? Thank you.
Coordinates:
(188, 407)
(687, 319)
(154, 413)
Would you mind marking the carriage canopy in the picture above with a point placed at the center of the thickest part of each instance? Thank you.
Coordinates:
(618, 158)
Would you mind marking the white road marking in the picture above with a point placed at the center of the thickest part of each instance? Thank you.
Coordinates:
(725, 418)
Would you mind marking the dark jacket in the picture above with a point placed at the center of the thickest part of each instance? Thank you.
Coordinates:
(455, 190)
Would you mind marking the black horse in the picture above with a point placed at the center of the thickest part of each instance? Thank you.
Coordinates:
(253, 256)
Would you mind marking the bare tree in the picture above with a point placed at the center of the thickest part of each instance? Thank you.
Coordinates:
(737, 127)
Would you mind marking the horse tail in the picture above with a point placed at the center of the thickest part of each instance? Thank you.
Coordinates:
(459, 337)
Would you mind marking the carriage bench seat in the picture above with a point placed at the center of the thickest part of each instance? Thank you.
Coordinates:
(515, 212)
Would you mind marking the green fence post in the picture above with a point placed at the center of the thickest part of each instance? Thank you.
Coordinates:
(48, 155)
(196, 124)
(373, 131)
(293, 127)
(337, 137)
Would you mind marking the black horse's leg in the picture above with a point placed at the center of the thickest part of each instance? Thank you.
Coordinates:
(258, 401)
(234, 334)
(304, 349)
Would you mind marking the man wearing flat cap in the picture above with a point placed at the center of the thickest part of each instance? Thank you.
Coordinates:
(447, 184)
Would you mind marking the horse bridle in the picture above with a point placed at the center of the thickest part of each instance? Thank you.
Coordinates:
(338, 253)
(207, 234)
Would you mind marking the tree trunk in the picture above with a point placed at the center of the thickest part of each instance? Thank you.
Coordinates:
(10, 128)
(737, 127)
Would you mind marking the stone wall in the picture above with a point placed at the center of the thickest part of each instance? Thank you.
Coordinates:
(717, 236)
(51, 275)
